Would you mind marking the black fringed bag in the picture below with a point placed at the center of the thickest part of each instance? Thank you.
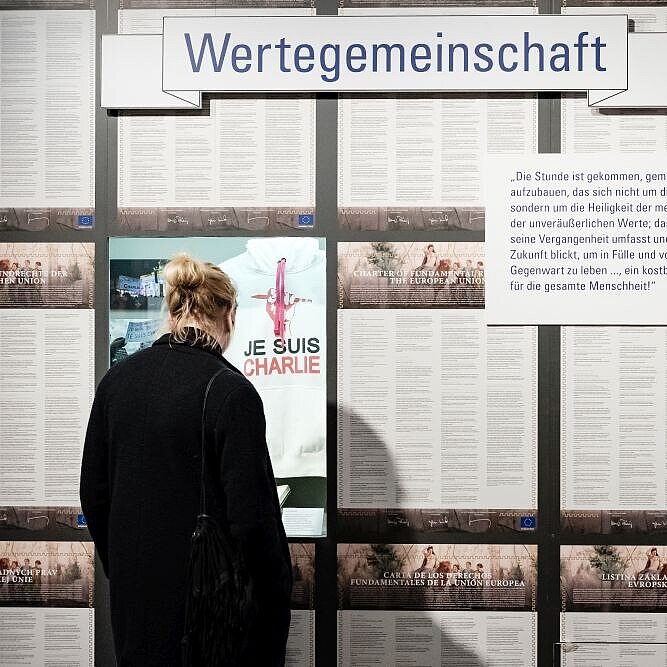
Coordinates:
(219, 600)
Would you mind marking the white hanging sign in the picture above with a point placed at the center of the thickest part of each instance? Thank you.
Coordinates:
(383, 53)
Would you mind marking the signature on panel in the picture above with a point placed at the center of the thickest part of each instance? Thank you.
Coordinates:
(259, 220)
(215, 221)
(38, 516)
(398, 220)
(37, 216)
(177, 220)
(471, 521)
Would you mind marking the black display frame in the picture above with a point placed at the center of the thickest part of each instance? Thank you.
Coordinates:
(547, 536)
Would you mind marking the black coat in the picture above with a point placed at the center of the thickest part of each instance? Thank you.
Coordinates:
(140, 483)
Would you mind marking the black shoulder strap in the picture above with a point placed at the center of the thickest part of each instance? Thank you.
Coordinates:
(202, 488)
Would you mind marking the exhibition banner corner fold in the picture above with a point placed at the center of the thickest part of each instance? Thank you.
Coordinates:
(647, 53)
(132, 75)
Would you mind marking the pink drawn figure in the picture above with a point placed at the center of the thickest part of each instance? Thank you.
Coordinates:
(290, 302)
(279, 303)
(279, 317)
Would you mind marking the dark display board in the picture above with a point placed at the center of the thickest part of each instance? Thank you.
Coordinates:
(463, 507)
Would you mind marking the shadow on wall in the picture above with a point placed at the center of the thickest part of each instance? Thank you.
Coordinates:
(417, 637)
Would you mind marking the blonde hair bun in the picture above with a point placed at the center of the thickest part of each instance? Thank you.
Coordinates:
(198, 294)
(184, 272)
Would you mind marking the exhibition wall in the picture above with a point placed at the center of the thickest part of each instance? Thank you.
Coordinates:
(454, 492)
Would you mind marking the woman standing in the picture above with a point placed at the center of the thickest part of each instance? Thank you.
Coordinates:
(430, 260)
(653, 560)
(140, 476)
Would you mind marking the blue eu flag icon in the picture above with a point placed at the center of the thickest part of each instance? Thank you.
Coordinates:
(85, 220)
(306, 220)
(528, 523)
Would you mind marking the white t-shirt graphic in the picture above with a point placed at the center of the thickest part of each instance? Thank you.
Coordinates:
(290, 373)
